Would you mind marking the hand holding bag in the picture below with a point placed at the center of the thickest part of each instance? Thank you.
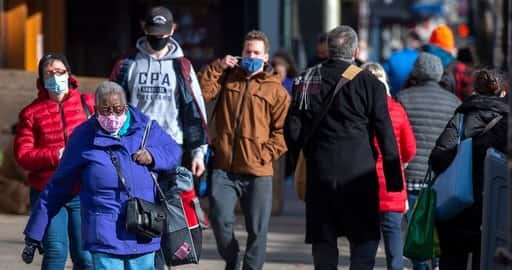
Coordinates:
(143, 218)
(421, 240)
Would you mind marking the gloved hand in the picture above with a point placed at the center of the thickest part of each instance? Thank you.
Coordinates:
(30, 248)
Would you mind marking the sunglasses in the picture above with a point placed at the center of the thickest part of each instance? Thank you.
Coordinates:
(107, 110)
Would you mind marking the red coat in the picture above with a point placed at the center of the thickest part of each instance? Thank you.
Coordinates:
(44, 127)
(395, 201)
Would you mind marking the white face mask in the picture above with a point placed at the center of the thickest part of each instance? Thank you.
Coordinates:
(57, 84)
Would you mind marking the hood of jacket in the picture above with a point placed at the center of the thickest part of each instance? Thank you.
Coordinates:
(446, 57)
(486, 106)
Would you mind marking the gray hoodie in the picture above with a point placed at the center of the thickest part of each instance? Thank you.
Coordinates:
(152, 84)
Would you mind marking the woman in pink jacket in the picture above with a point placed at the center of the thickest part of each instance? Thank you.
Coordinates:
(392, 205)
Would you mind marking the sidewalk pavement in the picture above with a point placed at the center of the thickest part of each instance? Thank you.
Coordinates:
(285, 249)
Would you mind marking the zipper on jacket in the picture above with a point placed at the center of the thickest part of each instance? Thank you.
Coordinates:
(61, 111)
(237, 123)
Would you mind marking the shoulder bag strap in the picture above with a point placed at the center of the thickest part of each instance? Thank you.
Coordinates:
(491, 124)
(84, 105)
(346, 76)
(160, 193)
(120, 174)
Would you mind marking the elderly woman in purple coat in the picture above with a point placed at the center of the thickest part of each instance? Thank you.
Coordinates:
(116, 129)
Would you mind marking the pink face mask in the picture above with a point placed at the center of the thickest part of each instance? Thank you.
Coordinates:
(111, 123)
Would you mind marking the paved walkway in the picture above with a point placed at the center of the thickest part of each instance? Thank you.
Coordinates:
(285, 250)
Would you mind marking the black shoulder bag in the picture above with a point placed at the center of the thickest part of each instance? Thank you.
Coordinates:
(143, 218)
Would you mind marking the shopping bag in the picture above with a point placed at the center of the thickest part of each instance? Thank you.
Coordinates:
(454, 186)
(422, 241)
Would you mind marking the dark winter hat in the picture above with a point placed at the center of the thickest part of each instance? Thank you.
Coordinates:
(49, 58)
(427, 67)
(158, 21)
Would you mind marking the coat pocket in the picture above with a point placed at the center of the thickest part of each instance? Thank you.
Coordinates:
(249, 150)
(100, 229)
(261, 103)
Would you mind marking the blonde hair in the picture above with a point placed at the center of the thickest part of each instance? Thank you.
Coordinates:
(379, 72)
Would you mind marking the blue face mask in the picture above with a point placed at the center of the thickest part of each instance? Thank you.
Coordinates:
(57, 84)
(251, 65)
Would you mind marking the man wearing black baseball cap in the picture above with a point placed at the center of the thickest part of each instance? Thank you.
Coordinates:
(158, 26)
(162, 83)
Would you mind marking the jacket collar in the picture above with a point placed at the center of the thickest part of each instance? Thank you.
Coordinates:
(262, 77)
(484, 103)
(104, 139)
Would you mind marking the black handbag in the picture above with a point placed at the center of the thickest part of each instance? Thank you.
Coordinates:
(143, 218)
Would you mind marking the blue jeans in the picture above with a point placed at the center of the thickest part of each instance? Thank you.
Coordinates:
(411, 198)
(391, 227)
(67, 223)
(104, 261)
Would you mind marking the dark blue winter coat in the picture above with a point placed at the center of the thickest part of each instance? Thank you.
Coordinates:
(103, 198)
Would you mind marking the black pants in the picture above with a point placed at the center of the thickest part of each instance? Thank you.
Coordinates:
(459, 261)
(362, 255)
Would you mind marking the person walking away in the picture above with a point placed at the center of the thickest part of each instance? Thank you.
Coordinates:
(321, 52)
(249, 119)
(342, 187)
(399, 65)
(392, 205)
(457, 75)
(43, 132)
(429, 107)
(461, 234)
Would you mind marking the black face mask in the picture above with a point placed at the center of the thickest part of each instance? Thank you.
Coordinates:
(157, 43)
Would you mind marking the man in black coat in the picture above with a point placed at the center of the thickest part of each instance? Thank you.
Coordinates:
(342, 188)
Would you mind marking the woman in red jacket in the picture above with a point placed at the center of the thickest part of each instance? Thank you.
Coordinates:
(393, 204)
(43, 131)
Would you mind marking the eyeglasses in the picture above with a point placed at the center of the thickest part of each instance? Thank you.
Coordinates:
(55, 72)
(107, 110)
